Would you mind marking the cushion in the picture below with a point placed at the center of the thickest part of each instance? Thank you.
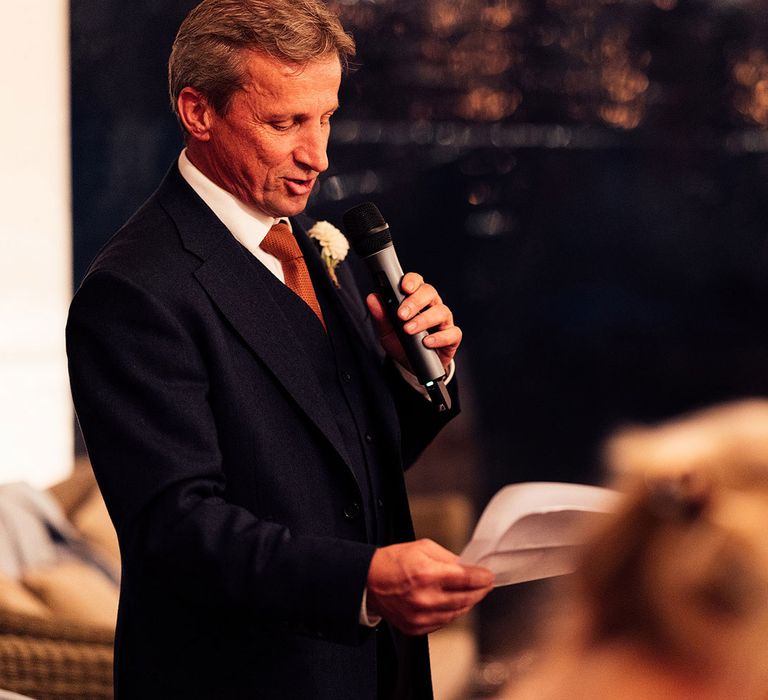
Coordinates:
(18, 599)
(75, 592)
(92, 521)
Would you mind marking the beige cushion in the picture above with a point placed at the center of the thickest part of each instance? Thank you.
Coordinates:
(15, 598)
(93, 522)
(75, 592)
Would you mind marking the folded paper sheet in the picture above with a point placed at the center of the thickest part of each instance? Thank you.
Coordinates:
(534, 530)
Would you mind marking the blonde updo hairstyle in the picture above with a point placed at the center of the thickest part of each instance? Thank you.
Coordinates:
(683, 568)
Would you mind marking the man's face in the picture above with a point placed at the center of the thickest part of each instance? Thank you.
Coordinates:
(271, 145)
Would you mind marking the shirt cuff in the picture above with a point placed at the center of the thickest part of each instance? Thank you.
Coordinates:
(365, 619)
(410, 377)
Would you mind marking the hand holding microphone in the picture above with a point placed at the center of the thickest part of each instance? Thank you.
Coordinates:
(415, 327)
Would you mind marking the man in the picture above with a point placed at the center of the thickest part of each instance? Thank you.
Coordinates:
(247, 430)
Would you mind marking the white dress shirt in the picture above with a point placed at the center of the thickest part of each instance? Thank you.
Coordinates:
(248, 225)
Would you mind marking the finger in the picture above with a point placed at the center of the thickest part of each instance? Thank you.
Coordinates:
(424, 296)
(432, 576)
(424, 624)
(419, 628)
(445, 339)
(452, 580)
(471, 578)
(438, 316)
(379, 314)
(452, 602)
(417, 631)
(375, 307)
(411, 282)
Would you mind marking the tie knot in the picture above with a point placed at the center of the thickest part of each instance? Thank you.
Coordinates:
(280, 242)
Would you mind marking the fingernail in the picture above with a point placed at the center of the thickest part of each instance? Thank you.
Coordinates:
(405, 312)
(429, 340)
(410, 326)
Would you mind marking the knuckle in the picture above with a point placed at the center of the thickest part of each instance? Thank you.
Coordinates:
(422, 620)
(421, 602)
(415, 278)
(460, 602)
(409, 625)
(467, 604)
(422, 579)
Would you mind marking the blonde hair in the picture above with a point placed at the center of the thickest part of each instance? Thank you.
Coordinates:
(684, 566)
(670, 598)
(207, 52)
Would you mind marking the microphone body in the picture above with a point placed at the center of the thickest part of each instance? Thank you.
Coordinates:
(372, 241)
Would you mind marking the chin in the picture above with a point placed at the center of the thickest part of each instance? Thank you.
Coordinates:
(285, 209)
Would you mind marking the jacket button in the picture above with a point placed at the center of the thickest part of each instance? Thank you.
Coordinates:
(380, 502)
(347, 377)
(352, 510)
(368, 438)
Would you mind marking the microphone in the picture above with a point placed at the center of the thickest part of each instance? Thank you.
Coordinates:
(371, 240)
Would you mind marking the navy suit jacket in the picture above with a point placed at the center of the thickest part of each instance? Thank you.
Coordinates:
(244, 530)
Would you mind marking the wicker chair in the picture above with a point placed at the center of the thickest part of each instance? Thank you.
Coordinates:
(51, 660)
(58, 657)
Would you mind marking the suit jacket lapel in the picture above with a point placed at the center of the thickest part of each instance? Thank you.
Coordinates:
(354, 314)
(238, 289)
(346, 297)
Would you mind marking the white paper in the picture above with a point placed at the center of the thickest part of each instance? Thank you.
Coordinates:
(534, 530)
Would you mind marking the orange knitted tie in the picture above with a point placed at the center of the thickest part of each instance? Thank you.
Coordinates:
(280, 242)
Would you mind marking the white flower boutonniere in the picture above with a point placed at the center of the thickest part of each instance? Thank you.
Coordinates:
(334, 246)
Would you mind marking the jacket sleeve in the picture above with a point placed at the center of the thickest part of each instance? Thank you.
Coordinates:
(419, 422)
(140, 384)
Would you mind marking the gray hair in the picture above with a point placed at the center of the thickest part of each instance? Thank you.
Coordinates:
(207, 52)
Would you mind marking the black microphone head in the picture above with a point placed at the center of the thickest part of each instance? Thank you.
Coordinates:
(366, 229)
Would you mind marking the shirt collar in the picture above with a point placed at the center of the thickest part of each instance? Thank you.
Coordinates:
(247, 224)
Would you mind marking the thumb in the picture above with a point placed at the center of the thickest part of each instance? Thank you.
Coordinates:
(472, 578)
(379, 315)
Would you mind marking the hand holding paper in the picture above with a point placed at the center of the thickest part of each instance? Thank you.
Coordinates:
(419, 586)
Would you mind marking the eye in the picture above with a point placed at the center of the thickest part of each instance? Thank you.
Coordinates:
(281, 126)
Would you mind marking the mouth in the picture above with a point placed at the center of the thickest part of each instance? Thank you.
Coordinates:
(299, 186)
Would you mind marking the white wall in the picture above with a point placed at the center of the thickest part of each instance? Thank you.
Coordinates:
(36, 437)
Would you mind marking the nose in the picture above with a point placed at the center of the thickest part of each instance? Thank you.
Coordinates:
(311, 151)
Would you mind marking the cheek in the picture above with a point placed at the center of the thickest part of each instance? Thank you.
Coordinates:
(264, 175)
(272, 166)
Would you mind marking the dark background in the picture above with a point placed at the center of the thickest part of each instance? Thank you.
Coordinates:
(584, 180)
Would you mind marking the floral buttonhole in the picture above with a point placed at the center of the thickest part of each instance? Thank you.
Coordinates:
(334, 246)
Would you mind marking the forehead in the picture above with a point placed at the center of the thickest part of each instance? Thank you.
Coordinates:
(270, 78)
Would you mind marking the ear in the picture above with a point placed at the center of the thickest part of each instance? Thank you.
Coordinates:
(196, 113)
